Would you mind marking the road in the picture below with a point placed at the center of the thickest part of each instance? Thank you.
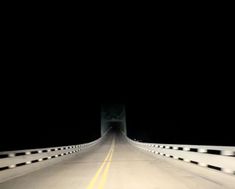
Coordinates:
(115, 164)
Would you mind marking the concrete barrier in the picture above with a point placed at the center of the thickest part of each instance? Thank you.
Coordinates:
(20, 162)
(221, 158)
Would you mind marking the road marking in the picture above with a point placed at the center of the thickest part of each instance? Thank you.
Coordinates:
(105, 173)
(94, 179)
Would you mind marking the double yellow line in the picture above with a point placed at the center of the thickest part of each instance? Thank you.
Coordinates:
(106, 163)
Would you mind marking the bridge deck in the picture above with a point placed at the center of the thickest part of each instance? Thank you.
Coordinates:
(115, 164)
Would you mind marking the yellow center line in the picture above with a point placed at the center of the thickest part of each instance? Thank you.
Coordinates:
(105, 173)
(94, 179)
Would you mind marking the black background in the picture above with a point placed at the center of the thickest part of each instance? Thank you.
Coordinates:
(58, 72)
(46, 106)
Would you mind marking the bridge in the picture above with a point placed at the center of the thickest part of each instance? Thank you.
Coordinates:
(114, 161)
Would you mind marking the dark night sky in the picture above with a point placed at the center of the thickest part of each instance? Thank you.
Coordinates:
(52, 95)
(55, 109)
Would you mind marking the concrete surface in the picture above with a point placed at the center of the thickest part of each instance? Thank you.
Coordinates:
(115, 164)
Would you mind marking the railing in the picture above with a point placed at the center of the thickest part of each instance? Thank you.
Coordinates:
(221, 158)
(20, 162)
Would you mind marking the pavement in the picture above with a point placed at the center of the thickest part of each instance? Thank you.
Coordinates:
(115, 164)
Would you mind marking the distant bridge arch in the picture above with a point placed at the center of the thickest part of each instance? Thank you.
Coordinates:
(113, 115)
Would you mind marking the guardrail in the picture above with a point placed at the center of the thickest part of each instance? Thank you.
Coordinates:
(221, 158)
(20, 162)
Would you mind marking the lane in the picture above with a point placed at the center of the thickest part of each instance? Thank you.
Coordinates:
(76, 172)
(132, 168)
(115, 164)
(105, 165)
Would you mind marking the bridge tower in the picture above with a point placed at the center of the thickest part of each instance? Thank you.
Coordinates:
(113, 114)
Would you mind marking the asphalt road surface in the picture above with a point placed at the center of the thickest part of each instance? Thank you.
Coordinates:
(115, 164)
